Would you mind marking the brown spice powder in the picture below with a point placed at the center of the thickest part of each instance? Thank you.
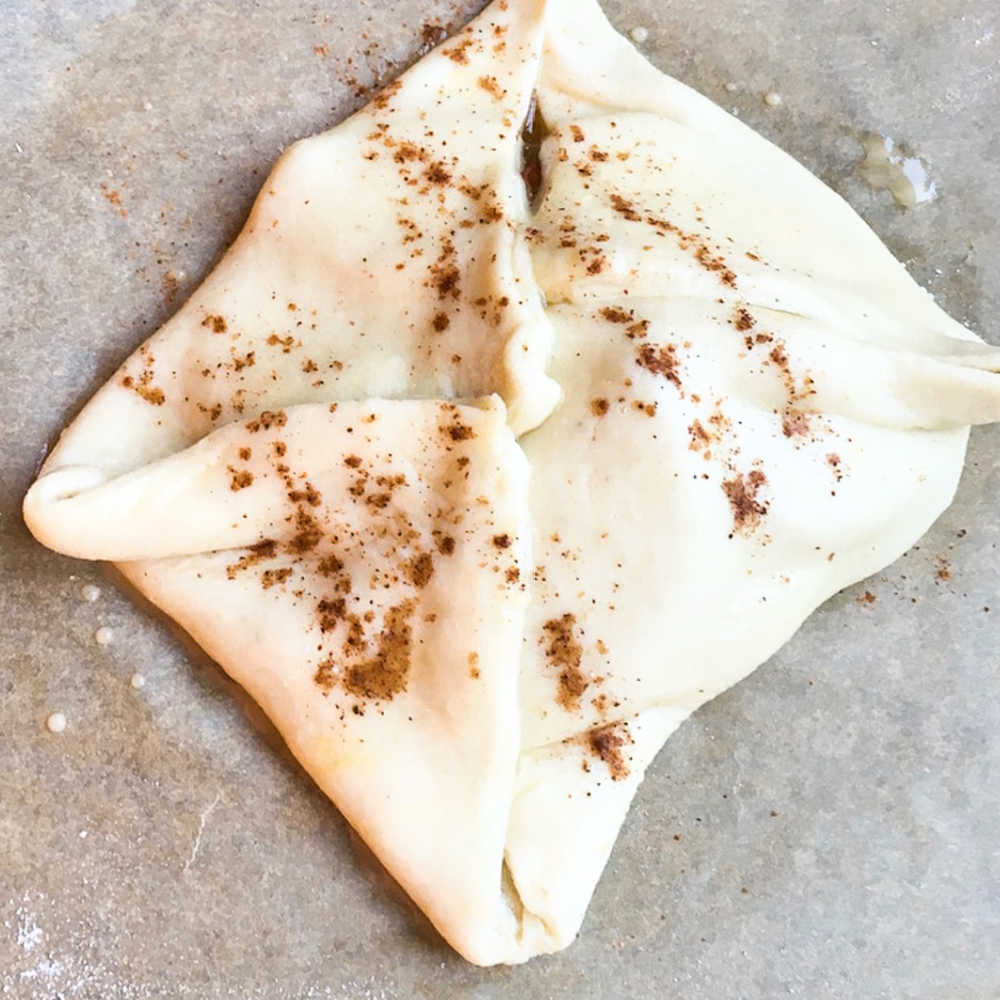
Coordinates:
(385, 675)
(565, 653)
(741, 491)
(607, 743)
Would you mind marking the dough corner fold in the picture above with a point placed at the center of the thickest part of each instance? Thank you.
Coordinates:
(483, 458)
(370, 601)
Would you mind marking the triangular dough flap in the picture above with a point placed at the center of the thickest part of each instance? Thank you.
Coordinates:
(747, 375)
(379, 260)
(375, 612)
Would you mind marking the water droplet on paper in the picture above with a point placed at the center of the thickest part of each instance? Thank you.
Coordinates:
(56, 722)
(640, 35)
(90, 593)
(103, 636)
(138, 681)
(885, 167)
(773, 99)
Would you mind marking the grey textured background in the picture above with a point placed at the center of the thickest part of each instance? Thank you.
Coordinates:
(827, 829)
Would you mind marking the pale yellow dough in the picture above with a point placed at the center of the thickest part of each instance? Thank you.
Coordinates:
(590, 462)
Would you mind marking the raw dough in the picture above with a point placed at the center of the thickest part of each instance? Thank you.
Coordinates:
(731, 401)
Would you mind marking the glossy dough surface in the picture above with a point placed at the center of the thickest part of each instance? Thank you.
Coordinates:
(481, 498)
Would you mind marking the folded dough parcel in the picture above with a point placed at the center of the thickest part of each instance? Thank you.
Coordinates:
(481, 496)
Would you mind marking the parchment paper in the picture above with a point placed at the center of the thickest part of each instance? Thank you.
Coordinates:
(827, 829)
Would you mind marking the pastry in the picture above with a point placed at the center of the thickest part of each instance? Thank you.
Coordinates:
(488, 453)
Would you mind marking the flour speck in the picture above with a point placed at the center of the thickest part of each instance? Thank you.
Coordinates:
(29, 934)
